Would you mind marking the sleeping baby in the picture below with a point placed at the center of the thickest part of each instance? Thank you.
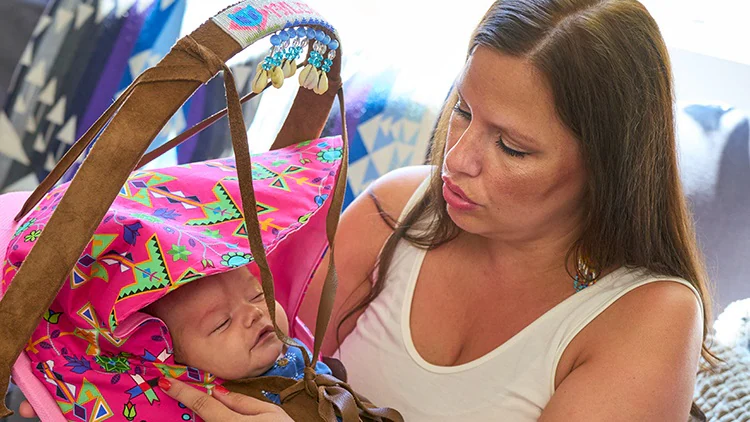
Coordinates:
(221, 324)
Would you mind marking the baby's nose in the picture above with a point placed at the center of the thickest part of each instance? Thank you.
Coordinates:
(252, 315)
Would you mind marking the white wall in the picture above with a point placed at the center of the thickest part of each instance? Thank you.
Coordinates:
(700, 78)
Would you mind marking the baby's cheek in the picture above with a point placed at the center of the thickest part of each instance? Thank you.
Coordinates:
(228, 368)
(194, 352)
(281, 320)
(177, 351)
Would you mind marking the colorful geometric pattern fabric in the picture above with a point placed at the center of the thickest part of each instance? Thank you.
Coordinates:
(97, 354)
(160, 29)
(79, 56)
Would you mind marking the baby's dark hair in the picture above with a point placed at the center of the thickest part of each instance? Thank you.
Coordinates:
(157, 310)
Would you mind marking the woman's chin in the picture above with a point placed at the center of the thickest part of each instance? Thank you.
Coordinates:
(462, 219)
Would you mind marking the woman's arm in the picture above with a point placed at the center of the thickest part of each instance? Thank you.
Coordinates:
(639, 360)
(360, 236)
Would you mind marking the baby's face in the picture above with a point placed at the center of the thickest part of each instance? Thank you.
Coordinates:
(221, 324)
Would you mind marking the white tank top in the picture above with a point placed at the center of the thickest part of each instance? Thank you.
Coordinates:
(514, 382)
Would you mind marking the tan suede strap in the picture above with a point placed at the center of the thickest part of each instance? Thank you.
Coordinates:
(238, 135)
(333, 397)
(189, 133)
(331, 282)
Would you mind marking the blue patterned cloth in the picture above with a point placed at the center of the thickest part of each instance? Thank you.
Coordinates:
(292, 365)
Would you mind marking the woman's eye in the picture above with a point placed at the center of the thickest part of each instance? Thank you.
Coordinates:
(510, 151)
(257, 297)
(461, 112)
(500, 143)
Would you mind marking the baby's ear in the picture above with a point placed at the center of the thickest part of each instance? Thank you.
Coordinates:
(151, 310)
(156, 309)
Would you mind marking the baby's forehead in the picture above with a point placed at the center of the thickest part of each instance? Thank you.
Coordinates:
(235, 282)
(241, 278)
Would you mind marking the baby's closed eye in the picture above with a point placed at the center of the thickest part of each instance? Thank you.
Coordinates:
(222, 324)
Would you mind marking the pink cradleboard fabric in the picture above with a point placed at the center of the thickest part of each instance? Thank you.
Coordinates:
(47, 410)
(96, 354)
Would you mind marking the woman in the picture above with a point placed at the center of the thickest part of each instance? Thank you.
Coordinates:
(545, 266)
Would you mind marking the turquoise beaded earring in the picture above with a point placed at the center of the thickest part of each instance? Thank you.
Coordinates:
(589, 275)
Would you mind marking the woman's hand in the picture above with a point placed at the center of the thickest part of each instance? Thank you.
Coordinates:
(223, 406)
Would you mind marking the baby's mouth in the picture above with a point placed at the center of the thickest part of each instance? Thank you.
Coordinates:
(264, 335)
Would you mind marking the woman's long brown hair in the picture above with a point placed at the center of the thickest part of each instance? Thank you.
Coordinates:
(610, 75)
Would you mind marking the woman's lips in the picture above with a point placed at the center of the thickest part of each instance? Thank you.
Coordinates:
(455, 197)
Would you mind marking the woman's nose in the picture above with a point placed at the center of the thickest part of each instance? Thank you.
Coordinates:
(464, 156)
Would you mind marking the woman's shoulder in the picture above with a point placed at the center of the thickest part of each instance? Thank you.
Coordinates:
(641, 298)
(645, 345)
(392, 191)
(646, 309)
(362, 231)
(364, 227)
